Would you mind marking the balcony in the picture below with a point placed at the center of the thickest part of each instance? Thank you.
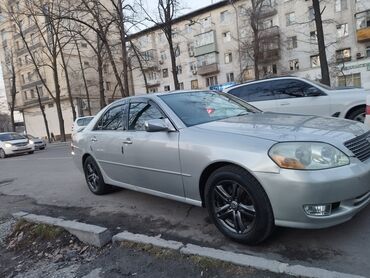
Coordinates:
(363, 35)
(271, 32)
(32, 85)
(269, 55)
(267, 11)
(208, 69)
(153, 83)
(35, 100)
(24, 50)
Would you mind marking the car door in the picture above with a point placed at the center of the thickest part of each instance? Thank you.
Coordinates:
(299, 97)
(106, 141)
(151, 159)
(258, 94)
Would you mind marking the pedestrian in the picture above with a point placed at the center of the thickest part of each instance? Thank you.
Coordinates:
(52, 137)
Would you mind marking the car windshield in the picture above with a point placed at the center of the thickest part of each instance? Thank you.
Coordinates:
(195, 108)
(30, 136)
(11, 137)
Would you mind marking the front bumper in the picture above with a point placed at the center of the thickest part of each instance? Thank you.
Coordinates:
(346, 188)
(39, 146)
(17, 150)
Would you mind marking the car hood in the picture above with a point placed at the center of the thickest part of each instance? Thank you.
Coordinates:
(17, 141)
(281, 127)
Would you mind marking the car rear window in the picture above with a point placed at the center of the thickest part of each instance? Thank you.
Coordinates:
(254, 92)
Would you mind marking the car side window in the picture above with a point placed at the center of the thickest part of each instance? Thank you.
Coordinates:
(289, 88)
(140, 112)
(113, 119)
(254, 92)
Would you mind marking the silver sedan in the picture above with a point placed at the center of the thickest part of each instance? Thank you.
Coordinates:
(252, 170)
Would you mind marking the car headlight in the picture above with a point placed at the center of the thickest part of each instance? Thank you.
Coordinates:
(307, 156)
(8, 145)
(31, 142)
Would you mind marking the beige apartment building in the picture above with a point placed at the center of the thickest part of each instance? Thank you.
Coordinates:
(13, 51)
(212, 45)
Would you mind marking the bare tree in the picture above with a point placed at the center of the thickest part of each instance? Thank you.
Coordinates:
(166, 12)
(5, 123)
(13, 89)
(253, 46)
(43, 114)
(325, 75)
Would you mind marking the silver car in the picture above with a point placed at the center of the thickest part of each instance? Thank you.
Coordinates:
(251, 170)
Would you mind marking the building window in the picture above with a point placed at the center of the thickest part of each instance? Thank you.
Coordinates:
(340, 5)
(177, 50)
(23, 79)
(266, 24)
(204, 39)
(84, 45)
(20, 62)
(86, 63)
(163, 55)
(153, 90)
(230, 77)
(225, 17)
(51, 105)
(294, 64)
(194, 84)
(188, 28)
(165, 73)
(29, 76)
(290, 18)
(193, 67)
(349, 80)
(107, 86)
(363, 20)
(181, 84)
(191, 49)
(32, 93)
(25, 95)
(32, 38)
(206, 22)
(211, 81)
(161, 37)
(269, 70)
(342, 30)
(17, 45)
(179, 69)
(315, 61)
(311, 13)
(105, 68)
(226, 36)
(313, 36)
(368, 51)
(206, 59)
(41, 91)
(167, 88)
(292, 42)
(343, 55)
(152, 75)
(228, 58)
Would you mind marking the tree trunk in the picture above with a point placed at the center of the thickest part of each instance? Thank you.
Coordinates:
(13, 95)
(101, 77)
(325, 76)
(140, 66)
(124, 49)
(70, 98)
(84, 78)
(173, 60)
(57, 100)
(43, 115)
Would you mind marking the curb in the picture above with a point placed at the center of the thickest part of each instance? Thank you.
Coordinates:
(89, 234)
(235, 258)
(100, 236)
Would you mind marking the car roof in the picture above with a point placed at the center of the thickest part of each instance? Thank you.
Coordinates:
(263, 80)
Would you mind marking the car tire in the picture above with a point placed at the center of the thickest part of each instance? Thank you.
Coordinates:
(94, 178)
(238, 205)
(358, 114)
(2, 154)
(31, 152)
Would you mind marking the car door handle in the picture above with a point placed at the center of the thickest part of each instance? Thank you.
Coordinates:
(128, 141)
(284, 103)
(93, 139)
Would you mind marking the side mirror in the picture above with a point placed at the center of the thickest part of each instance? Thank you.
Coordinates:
(157, 125)
(314, 92)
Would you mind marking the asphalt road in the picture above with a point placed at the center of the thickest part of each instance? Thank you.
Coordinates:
(47, 182)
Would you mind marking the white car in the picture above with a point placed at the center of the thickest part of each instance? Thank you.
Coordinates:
(301, 96)
(367, 120)
(13, 143)
(80, 123)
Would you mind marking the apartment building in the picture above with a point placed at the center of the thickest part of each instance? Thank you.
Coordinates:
(213, 45)
(13, 52)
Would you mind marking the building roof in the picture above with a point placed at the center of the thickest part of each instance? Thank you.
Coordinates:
(184, 17)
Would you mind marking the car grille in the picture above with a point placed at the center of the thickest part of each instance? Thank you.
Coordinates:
(20, 144)
(360, 146)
